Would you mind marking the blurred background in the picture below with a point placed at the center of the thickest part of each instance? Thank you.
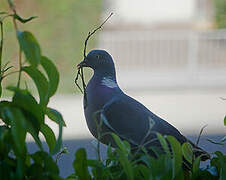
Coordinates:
(169, 55)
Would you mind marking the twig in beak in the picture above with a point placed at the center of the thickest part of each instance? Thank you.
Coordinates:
(76, 80)
(80, 69)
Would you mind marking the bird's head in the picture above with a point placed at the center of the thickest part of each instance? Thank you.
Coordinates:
(100, 61)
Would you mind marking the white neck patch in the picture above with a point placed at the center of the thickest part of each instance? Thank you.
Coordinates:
(110, 83)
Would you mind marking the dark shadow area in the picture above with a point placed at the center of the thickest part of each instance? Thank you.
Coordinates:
(66, 160)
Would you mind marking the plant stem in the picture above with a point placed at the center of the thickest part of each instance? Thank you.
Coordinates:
(1, 44)
(20, 66)
(11, 5)
(93, 32)
(13, 72)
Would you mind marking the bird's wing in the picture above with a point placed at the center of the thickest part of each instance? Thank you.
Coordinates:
(135, 123)
(128, 119)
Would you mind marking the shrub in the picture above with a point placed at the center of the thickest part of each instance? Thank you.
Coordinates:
(122, 164)
(22, 114)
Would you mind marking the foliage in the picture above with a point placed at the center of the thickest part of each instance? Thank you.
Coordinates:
(23, 114)
(220, 13)
(122, 164)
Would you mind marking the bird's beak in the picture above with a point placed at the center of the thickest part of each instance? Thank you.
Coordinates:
(82, 64)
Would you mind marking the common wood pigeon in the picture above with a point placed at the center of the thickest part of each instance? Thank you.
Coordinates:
(108, 109)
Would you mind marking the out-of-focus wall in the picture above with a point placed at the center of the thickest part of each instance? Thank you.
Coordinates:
(154, 12)
(165, 44)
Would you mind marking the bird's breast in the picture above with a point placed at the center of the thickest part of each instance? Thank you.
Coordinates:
(97, 95)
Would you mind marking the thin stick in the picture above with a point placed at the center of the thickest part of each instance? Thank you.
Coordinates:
(6, 69)
(80, 70)
(3, 69)
(76, 81)
(1, 44)
(83, 81)
(200, 133)
(84, 89)
(20, 67)
(93, 32)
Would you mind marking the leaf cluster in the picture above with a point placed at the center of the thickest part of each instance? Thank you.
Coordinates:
(175, 162)
(25, 114)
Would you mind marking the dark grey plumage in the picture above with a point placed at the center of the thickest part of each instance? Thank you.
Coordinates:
(109, 106)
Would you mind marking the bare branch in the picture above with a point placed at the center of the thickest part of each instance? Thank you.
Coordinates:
(93, 32)
(80, 70)
(1, 44)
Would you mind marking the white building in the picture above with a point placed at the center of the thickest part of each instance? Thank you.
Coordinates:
(158, 12)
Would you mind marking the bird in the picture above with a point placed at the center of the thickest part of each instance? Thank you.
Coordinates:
(109, 110)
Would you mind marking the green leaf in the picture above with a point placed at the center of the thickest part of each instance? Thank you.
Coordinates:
(57, 117)
(156, 150)
(17, 128)
(214, 142)
(222, 161)
(30, 47)
(35, 171)
(53, 74)
(49, 136)
(161, 166)
(225, 120)
(32, 111)
(24, 100)
(3, 117)
(6, 170)
(143, 172)
(40, 82)
(50, 165)
(80, 165)
(177, 155)
(33, 128)
(187, 152)
(118, 142)
(196, 165)
(123, 156)
(20, 169)
(23, 20)
(5, 140)
(163, 143)
(46, 161)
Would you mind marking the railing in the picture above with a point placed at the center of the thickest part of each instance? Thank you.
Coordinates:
(193, 55)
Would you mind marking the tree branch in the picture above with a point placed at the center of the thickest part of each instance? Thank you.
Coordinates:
(93, 32)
